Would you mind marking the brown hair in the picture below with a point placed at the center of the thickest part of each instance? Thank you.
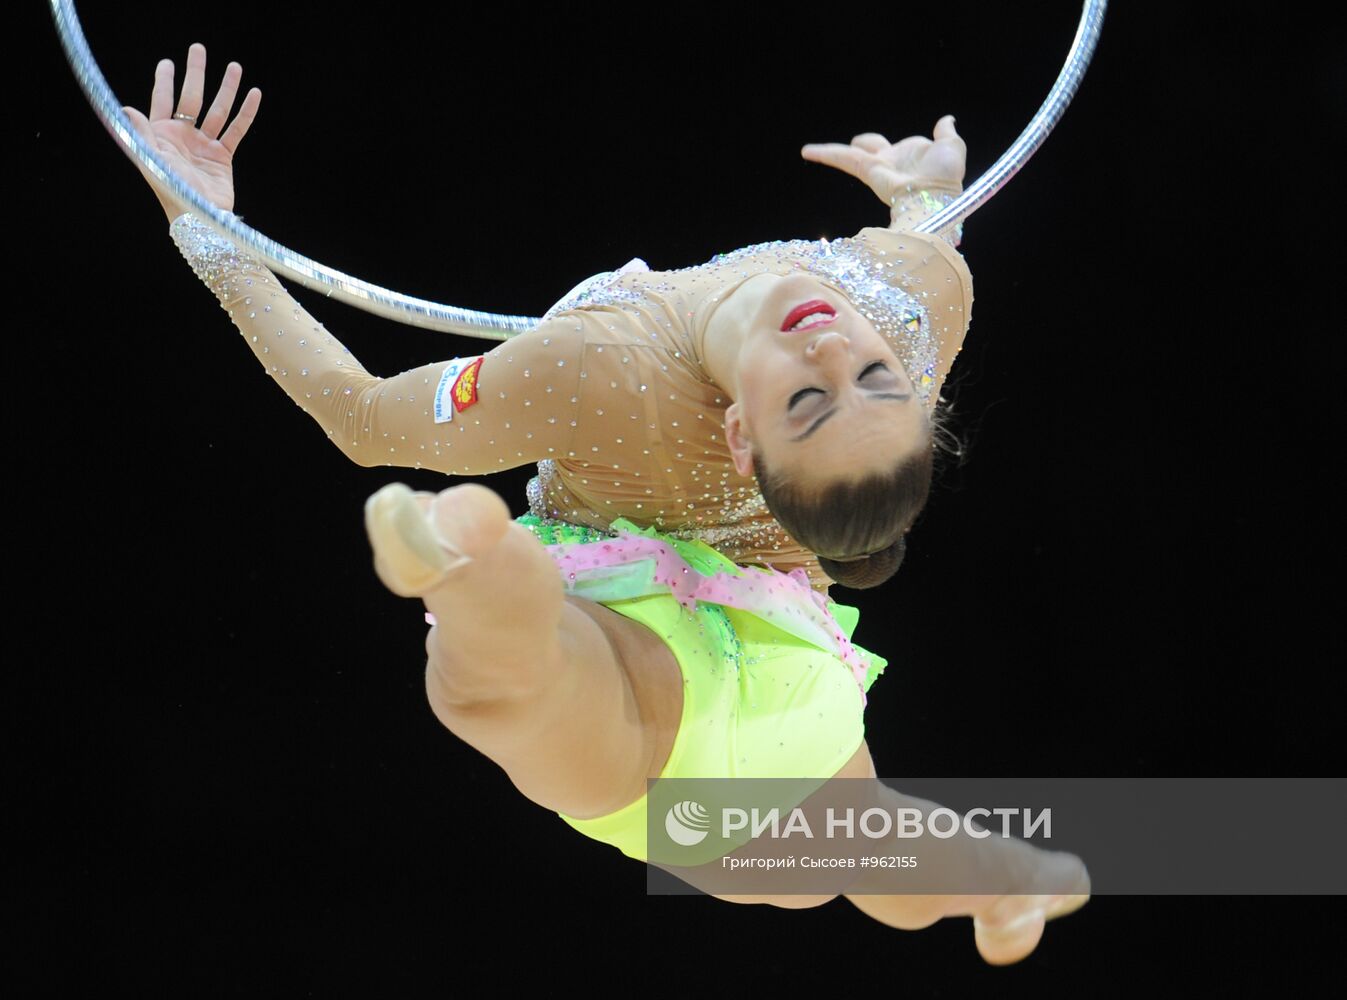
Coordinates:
(856, 527)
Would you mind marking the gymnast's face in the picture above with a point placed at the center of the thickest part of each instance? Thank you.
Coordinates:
(820, 394)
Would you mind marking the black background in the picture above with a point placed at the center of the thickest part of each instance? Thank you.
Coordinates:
(1133, 572)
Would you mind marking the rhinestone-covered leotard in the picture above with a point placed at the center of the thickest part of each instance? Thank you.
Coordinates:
(608, 394)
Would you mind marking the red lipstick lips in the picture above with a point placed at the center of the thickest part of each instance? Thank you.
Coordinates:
(804, 309)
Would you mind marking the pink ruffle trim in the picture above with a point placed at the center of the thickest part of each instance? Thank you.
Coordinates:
(785, 600)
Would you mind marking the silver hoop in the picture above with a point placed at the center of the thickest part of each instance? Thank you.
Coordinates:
(493, 326)
(186, 118)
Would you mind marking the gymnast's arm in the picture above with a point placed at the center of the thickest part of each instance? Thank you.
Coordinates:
(458, 417)
(461, 417)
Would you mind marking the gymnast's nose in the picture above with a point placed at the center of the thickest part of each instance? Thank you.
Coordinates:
(828, 350)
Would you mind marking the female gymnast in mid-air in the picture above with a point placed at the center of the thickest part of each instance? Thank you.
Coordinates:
(716, 445)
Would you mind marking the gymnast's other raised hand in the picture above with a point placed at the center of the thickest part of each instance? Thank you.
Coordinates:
(890, 170)
(202, 154)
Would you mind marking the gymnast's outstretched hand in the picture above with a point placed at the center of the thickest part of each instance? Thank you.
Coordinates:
(889, 169)
(202, 155)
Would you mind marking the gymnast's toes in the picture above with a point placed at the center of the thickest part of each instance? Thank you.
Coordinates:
(1011, 941)
(469, 519)
(408, 556)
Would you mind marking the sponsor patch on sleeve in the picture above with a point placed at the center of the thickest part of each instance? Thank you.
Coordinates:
(465, 388)
(451, 383)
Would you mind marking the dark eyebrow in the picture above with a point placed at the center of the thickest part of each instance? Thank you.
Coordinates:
(816, 425)
(820, 421)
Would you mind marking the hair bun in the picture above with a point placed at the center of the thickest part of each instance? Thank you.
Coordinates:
(860, 574)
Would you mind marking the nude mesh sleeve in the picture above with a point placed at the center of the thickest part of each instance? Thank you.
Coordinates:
(521, 407)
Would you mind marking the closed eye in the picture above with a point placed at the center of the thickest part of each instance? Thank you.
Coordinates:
(874, 366)
(801, 395)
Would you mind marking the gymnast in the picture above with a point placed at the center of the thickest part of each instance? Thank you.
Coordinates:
(716, 445)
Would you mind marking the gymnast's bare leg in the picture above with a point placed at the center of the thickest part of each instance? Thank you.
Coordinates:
(579, 705)
(537, 682)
